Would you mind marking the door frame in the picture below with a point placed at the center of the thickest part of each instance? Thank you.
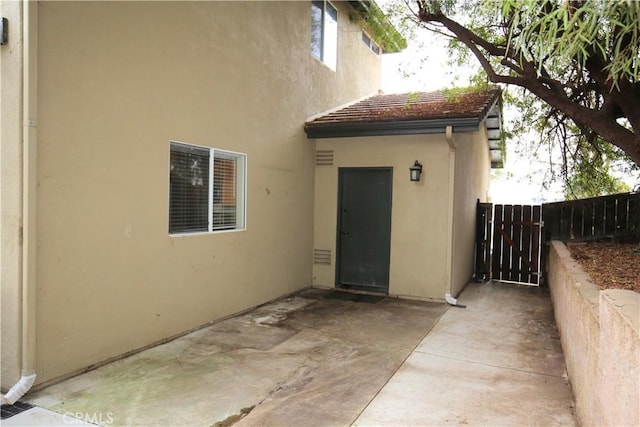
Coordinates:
(337, 283)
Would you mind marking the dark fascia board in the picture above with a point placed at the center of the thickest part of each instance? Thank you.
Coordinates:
(411, 127)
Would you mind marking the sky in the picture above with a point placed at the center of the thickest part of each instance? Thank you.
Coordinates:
(423, 67)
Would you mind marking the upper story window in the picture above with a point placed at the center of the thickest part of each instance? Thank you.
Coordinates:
(370, 43)
(324, 32)
(206, 189)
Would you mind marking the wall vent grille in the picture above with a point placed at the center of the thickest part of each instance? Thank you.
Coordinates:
(322, 256)
(324, 158)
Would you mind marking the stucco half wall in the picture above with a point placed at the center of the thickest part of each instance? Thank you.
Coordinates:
(432, 221)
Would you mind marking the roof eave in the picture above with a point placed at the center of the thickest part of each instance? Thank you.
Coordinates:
(493, 122)
(396, 127)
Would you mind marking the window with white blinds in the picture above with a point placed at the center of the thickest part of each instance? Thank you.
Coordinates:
(206, 189)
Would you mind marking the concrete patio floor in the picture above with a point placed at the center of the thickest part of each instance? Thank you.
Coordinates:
(316, 359)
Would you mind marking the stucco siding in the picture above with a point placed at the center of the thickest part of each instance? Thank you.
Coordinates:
(472, 164)
(600, 335)
(11, 194)
(117, 82)
(418, 219)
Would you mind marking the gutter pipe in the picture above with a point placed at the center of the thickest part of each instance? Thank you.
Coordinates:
(29, 141)
(452, 170)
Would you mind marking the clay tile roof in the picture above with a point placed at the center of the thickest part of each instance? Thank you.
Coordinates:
(397, 111)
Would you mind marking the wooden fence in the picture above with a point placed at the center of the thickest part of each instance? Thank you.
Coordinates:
(508, 237)
(613, 218)
(516, 243)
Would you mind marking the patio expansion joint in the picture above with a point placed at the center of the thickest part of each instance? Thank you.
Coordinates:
(526, 371)
(414, 350)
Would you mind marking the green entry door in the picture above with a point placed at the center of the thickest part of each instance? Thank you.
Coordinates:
(364, 228)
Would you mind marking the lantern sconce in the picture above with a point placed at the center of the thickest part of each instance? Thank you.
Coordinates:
(415, 171)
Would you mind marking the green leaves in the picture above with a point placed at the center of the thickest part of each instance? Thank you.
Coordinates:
(377, 25)
(570, 31)
(591, 176)
(574, 67)
(439, 7)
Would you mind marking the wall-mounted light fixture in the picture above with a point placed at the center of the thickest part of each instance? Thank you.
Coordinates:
(415, 171)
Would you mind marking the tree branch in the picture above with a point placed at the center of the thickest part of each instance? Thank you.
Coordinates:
(551, 90)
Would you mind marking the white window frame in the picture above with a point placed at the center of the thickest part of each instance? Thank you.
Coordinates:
(372, 45)
(239, 188)
(329, 39)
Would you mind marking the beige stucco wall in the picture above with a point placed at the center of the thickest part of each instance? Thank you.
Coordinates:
(600, 335)
(11, 193)
(575, 305)
(472, 168)
(117, 81)
(420, 226)
(619, 369)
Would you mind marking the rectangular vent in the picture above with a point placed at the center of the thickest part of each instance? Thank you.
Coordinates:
(324, 158)
(322, 256)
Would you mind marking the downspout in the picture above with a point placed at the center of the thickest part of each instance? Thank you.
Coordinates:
(29, 177)
(452, 170)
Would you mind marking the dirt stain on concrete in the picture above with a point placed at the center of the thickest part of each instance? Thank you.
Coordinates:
(232, 419)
